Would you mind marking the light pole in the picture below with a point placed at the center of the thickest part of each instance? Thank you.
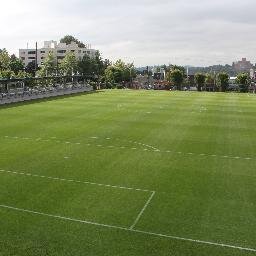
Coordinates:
(36, 56)
(131, 80)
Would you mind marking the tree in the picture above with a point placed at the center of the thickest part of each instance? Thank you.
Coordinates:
(101, 64)
(223, 79)
(109, 75)
(200, 80)
(96, 65)
(7, 74)
(10, 66)
(23, 74)
(132, 70)
(69, 64)
(16, 65)
(176, 67)
(68, 39)
(119, 72)
(5, 60)
(30, 68)
(48, 68)
(177, 77)
(106, 63)
(113, 75)
(122, 70)
(244, 81)
(209, 79)
(127, 71)
(87, 66)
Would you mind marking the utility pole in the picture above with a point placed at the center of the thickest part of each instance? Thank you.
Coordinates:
(131, 83)
(214, 80)
(188, 80)
(36, 59)
(148, 74)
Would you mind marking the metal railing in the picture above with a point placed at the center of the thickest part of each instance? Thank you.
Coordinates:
(18, 90)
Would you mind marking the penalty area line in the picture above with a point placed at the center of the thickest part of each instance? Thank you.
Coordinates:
(128, 229)
(142, 210)
(72, 180)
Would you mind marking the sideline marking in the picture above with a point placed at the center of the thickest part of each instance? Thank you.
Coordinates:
(142, 211)
(130, 230)
(74, 181)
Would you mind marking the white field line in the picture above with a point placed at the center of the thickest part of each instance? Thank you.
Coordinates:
(148, 149)
(131, 141)
(71, 180)
(130, 230)
(208, 155)
(142, 211)
(95, 138)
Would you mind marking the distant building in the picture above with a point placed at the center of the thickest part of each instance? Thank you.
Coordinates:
(232, 80)
(144, 81)
(242, 65)
(59, 50)
(232, 84)
(158, 73)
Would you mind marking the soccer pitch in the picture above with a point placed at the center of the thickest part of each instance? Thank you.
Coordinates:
(122, 172)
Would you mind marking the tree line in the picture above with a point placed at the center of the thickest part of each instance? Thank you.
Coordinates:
(219, 82)
(11, 66)
(110, 74)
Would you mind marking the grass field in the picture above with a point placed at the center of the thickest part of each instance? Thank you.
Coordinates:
(129, 173)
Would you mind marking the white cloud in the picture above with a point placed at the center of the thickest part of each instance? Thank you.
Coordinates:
(147, 32)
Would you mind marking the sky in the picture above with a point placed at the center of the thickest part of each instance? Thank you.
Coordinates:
(146, 32)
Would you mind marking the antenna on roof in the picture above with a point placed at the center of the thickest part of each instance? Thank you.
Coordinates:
(27, 45)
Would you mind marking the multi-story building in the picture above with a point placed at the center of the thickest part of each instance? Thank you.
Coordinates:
(242, 65)
(59, 51)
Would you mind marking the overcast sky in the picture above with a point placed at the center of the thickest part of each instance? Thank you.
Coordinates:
(146, 32)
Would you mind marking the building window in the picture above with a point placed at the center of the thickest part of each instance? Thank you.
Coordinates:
(42, 51)
(61, 51)
(60, 57)
(73, 50)
(23, 58)
(31, 52)
(31, 58)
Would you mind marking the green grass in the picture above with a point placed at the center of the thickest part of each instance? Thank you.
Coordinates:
(195, 150)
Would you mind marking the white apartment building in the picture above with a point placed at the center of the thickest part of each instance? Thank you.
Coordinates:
(59, 50)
